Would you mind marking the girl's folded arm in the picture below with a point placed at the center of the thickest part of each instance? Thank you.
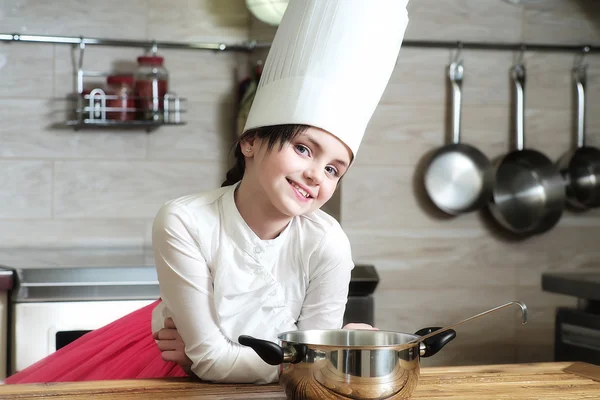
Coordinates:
(186, 288)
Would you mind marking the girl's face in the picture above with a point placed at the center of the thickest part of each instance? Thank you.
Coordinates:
(301, 177)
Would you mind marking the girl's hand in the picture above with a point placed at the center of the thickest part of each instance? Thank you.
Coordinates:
(171, 345)
(360, 326)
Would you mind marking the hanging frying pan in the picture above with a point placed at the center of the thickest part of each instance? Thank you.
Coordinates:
(457, 176)
(529, 193)
(580, 167)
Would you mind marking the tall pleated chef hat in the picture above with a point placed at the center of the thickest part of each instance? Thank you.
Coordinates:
(329, 64)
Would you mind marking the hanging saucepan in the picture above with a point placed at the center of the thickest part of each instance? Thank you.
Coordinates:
(529, 192)
(458, 176)
(354, 364)
(580, 167)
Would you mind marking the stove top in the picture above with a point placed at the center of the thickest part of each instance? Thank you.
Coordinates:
(582, 284)
(81, 274)
(101, 273)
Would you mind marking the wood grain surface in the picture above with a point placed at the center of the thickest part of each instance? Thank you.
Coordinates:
(483, 382)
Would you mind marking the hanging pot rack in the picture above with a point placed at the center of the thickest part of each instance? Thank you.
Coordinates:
(249, 46)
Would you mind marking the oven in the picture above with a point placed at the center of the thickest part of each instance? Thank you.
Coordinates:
(59, 295)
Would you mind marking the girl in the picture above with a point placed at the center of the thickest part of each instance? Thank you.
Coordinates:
(258, 256)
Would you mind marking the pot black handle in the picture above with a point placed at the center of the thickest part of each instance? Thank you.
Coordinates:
(435, 343)
(270, 352)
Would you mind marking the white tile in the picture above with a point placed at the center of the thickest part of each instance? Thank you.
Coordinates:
(127, 189)
(409, 134)
(36, 129)
(481, 20)
(453, 354)
(419, 77)
(549, 131)
(204, 76)
(198, 20)
(485, 80)
(400, 135)
(549, 80)
(110, 18)
(25, 70)
(562, 21)
(405, 310)
(208, 135)
(54, 233)
(25, 189)
(573, 247)
(391, 198)
(432, 259)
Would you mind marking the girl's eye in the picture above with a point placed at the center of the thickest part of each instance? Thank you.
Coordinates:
(301, 149)
(331, 170)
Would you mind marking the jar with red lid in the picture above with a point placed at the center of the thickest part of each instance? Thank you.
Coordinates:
(151, 85)
(120, 98)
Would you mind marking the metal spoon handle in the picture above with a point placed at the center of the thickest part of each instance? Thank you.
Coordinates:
(524, 318)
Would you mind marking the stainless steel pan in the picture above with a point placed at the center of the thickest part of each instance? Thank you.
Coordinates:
(580, 167)
(529, 192)
(458, 176)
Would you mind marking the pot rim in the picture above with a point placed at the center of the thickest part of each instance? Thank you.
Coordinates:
(397, 347)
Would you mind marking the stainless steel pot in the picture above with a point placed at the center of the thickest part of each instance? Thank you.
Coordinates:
(580, 167)
(355, 364)
(349, 364)
(529, 192)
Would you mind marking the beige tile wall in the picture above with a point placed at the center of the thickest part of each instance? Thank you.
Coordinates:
(435, 270)
(59, 187)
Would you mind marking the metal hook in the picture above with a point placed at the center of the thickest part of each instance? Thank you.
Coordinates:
(579, 63)
(154, 48)
(81, 50)
(80, 65)
(458, 54)
(521, 54)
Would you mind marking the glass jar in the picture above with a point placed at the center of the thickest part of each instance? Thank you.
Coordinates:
(151, 85)
(120, 98)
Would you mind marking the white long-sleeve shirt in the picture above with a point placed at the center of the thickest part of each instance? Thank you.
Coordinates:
(218, 280)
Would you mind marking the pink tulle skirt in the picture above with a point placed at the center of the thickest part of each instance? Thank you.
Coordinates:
(123, 349)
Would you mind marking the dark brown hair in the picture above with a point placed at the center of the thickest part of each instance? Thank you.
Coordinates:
(274, 133)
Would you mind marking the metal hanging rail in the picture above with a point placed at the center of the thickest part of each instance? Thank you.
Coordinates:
(252, 45)
(497, 46)
(73, 40)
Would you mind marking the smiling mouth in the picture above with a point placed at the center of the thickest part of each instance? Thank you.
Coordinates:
(300, 190)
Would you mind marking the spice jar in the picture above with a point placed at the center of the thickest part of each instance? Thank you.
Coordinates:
(120, 99)
(151, 85)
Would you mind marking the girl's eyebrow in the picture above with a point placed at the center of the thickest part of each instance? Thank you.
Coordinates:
(320, 149)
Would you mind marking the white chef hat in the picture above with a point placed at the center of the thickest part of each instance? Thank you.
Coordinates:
(329, 64)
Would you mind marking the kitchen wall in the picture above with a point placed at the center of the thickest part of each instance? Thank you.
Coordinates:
(437, 270)
(62, 188)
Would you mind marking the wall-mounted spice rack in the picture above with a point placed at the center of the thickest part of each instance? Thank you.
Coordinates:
(148, 106)
(123, 106)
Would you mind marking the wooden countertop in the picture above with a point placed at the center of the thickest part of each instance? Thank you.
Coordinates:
(564, 381)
